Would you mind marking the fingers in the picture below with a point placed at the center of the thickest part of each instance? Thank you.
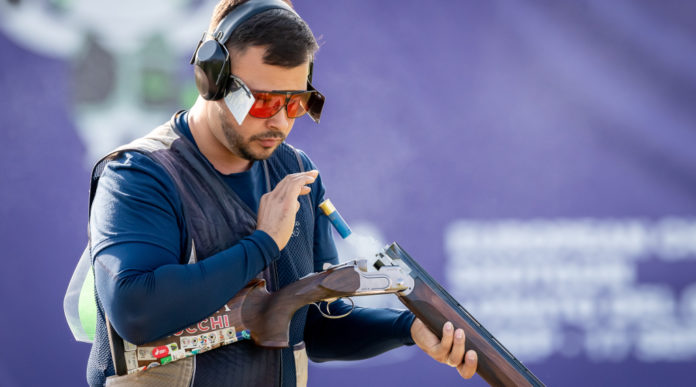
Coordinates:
(292, 186)
(453, 345)
(449, 350)
(295, 184)
(455, 357)
(443, 349)
(468, 368)
(305, 190)
(300, 181)
(299, 178)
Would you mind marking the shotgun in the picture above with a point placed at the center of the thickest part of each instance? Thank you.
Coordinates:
(255, 314)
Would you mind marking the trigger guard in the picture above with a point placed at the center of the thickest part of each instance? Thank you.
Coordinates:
(329, 310)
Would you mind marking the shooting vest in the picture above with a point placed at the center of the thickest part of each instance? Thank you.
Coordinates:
(216, 218)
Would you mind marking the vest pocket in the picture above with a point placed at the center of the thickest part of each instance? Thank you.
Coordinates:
(174, 374)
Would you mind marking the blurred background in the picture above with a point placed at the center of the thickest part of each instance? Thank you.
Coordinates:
(537, 158)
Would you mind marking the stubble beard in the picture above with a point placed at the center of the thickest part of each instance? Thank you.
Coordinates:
(243, 148)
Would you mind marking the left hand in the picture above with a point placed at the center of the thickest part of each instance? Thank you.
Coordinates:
(450, 350)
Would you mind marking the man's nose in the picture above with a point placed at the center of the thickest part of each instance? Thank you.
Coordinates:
(279, 120)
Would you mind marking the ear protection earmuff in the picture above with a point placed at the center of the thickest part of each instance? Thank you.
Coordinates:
(211, 59)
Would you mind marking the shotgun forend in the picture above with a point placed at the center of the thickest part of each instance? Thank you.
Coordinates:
(431, 303)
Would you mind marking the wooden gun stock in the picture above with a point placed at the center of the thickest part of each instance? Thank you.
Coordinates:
(434, 306)
(268, 315)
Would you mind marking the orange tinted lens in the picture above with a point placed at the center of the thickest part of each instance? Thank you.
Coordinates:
(267, 104)
(297, 106)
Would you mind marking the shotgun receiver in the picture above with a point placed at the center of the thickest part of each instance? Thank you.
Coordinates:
(264, 317)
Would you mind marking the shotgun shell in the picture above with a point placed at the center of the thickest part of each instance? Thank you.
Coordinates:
(336, 219)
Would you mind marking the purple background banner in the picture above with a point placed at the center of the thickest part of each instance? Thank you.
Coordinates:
(541, 150)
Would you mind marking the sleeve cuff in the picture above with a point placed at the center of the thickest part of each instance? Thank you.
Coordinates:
(405, 321)
(266, 244)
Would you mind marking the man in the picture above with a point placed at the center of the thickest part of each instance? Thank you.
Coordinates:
(181, 220)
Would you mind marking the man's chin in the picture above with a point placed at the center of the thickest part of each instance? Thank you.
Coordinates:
(261, 152)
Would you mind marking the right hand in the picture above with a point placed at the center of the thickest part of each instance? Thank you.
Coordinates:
(278, 208)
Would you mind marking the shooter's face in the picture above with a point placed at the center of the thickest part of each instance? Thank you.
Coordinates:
(258, 138)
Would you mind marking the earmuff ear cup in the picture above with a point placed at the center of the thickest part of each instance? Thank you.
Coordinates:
(212, 70)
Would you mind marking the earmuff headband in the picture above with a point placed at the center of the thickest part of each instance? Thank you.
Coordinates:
(242, 13)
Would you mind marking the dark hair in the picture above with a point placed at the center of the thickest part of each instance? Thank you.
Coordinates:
(288, 40)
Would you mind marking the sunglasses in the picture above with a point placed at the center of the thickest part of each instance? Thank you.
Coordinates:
(296, 103)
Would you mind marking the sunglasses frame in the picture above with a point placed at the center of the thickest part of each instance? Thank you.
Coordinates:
(315, 103)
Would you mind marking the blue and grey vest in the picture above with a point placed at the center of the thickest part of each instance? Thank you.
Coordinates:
(215, 219)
